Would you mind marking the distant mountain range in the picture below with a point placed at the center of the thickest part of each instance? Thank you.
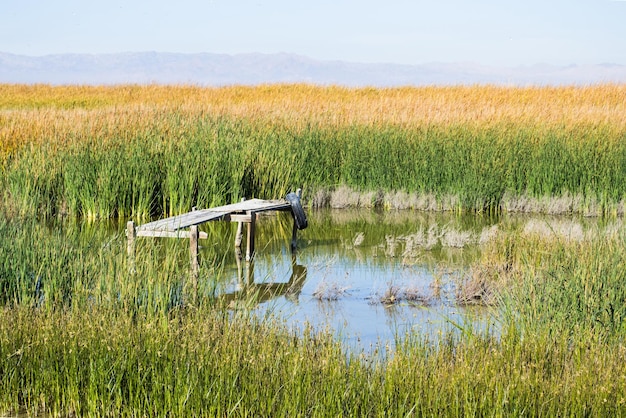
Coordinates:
(252, 69)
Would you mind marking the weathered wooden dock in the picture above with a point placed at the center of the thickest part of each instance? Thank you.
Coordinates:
(244, 212)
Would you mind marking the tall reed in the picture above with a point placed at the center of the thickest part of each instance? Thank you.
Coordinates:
(85, 331)
(140, 151)
(216, 161)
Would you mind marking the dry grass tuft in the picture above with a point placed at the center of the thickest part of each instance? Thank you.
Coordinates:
(476, 288)
(395, 294)
(483, 284)
(567, 229)
(415, 296)
(330, 291)
(321, 199)
(392, 295)
(344, 197)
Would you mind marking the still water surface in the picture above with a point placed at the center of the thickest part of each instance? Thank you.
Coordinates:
(368, 277)
(371, 277)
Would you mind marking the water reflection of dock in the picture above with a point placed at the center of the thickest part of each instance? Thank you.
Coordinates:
(250, 291)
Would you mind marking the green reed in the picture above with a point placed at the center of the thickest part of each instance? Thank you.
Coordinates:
(571, 287)
(86, 330)
(186, 161)
(204, 362)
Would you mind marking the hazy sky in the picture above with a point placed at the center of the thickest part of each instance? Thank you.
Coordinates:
(492, 32)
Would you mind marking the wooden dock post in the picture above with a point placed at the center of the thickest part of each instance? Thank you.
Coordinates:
(250, 242)
(238, 257)
(193, 249)
(131, 234)
(239, 235)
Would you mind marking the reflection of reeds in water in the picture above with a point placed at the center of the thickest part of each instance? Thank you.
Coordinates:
(426, 239)
(358, 239)
(569, 229)
(455, 238)
(391, 243)
(560, 229)
(487, 234)
(431, 237)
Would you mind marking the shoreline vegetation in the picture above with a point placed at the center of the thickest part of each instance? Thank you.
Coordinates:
(84, 334)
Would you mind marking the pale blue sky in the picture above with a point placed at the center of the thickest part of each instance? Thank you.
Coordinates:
(491, 32)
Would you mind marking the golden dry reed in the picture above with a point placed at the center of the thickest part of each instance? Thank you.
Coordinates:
(302, 104)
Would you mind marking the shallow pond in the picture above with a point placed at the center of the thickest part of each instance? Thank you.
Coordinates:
(368, 277)
(371, 276)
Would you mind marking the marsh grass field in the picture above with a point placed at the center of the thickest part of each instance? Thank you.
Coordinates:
(84, 334)
(130, 151)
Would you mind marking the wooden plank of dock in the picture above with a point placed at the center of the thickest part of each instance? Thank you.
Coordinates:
(197, 217)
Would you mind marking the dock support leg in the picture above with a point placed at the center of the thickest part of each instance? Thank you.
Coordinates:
(193, 259)
(131, 234)
(249, 271)
(250, 243)
(239, 235)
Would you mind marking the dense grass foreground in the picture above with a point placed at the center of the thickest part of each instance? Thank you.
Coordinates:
(136, 151)
(80, 333)
(99, 362)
